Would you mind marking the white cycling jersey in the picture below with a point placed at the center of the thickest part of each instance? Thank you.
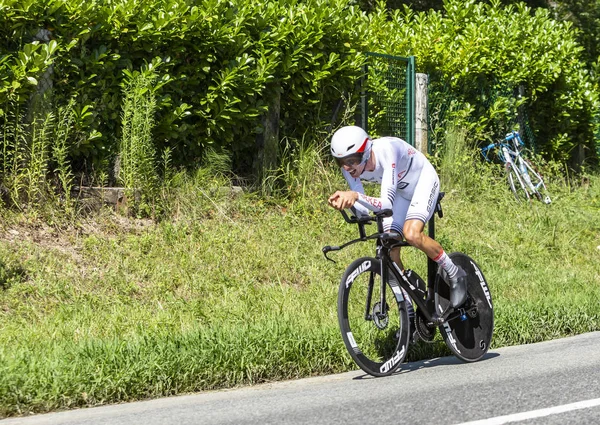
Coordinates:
(409, 183)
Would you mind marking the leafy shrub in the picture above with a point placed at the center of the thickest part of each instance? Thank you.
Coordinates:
(477, 48)
(226, 60)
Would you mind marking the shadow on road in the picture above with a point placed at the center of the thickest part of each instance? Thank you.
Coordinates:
(426, 364)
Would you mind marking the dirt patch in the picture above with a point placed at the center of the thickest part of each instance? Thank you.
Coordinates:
(67, 238)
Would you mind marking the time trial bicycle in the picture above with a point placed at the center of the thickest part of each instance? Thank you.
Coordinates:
(373, 307)
(523, 180)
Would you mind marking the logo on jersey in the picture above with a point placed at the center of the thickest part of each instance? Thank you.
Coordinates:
(373, 201)
(411, 151)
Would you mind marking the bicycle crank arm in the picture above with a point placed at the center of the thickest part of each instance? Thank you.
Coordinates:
(452, 314)
(440, 319)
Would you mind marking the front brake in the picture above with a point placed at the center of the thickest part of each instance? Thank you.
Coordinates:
(327, 249)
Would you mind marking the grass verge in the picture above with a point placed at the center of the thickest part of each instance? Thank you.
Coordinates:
(234, 290)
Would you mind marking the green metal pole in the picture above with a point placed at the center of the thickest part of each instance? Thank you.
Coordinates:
(410, 100)
(364, 99)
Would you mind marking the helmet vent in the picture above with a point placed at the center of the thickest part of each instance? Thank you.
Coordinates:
(350, 147)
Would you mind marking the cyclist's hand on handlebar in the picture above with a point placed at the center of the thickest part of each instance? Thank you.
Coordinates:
(341, 200)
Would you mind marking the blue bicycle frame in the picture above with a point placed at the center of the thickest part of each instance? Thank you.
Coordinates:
(514, 151)
(521, 174)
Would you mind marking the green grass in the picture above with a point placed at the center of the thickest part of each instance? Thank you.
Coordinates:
(231, 291)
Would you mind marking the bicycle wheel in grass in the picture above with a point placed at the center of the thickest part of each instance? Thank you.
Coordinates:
(468, 337)
(516, 184)
(375, 334)
(538, 186)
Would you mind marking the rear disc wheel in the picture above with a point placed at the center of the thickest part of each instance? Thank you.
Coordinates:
(469, 337)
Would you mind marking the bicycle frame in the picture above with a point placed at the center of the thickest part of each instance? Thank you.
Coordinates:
(508, 153)
(511, 156)
(387, 264)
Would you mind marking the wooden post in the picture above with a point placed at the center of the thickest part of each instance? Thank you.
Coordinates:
(267, 143)
(421, 113)
(577, 157)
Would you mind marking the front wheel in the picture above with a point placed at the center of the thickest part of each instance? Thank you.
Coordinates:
(373, 318)
(468, 335)
(516, 184)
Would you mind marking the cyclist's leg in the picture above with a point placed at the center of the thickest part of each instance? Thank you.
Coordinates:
(421, 209)
(395, 223)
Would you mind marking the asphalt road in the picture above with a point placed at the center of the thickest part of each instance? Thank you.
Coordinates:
(555, 382)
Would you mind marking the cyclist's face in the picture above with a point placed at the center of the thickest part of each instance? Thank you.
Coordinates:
(351, 164)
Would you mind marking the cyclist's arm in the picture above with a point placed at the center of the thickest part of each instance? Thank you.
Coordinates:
(369, 203)
(356, 186)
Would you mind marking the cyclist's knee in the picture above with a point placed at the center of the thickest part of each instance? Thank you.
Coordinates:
(413, 235)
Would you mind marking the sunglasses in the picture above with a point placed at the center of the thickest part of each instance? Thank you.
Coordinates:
(351, 161)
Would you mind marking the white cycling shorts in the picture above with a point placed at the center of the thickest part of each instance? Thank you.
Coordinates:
(422, 205)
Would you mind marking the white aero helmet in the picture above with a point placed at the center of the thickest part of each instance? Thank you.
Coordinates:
(349, 141)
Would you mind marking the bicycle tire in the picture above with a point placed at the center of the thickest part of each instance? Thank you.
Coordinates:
(377, 345)
(539, 188)
(516, 184)
(468, 339)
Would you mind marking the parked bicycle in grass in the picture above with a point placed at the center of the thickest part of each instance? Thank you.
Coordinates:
(376, 319)
(524, 182)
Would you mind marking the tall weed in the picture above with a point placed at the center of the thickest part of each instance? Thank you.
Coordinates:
(306, 170)
(303, 175)
(13, 134)
(37, 154)
(456, 160)
(60, 150)
(138, 171)
(26, 141)
(204, 193)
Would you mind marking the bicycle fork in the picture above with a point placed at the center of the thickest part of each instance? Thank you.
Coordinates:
(526, 176)
(368, 315)
(519, 173)
(371, 313)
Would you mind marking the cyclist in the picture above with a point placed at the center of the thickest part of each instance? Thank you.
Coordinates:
(409, 186)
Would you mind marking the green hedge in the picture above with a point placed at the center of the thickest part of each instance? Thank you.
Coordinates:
(477, 48)
(224, 61)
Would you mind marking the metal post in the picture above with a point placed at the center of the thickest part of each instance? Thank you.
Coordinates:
(410, 100)
(364, 99)
(421, 113)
